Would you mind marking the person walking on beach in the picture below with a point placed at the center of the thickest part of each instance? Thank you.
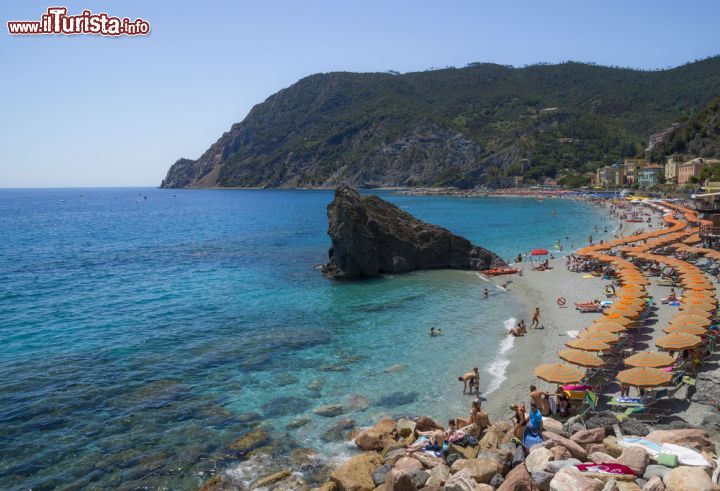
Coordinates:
(535, 319)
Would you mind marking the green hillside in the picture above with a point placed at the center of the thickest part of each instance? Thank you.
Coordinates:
(462, 126)
(699, 137)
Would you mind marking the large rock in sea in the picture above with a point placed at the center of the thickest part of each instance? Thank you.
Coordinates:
(371, 236)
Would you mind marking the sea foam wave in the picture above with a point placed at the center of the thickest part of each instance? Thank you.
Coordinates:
(498, 367)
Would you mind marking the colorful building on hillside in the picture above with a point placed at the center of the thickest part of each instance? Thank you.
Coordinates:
(693, 168)
(671, 167)
(610, 176)
(632, 166)
(649, 175)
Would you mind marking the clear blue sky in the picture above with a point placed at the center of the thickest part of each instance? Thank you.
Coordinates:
(92, 111)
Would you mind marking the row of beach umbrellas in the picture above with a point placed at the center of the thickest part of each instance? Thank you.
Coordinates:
(697, 303)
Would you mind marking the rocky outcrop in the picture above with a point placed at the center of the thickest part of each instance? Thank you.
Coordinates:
(356, 473)
(371, 236)
(376, 437)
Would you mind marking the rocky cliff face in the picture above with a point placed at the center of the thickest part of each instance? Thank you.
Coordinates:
(371, 236)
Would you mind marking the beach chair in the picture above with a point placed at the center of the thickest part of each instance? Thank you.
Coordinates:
(638, 414)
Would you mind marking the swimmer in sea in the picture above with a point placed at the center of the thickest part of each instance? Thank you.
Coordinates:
(432, 332)
(486, 293)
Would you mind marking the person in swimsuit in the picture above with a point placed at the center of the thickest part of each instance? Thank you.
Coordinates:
(540, 399)
(476, 381)
(535, 319)
(562, 402)
(522, 328)
(428, 440)
(519, 419)
(468, 379)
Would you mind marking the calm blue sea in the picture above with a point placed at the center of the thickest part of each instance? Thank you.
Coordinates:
(142, 331)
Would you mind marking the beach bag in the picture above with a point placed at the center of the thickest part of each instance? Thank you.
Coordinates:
(668, 460)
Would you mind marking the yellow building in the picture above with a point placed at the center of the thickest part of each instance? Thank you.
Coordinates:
(671, 167)
(632, 166)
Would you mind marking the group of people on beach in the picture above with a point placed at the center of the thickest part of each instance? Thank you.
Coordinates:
(520, 329)
(529, 424)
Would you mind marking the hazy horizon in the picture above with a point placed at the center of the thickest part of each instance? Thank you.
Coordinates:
(86, 111)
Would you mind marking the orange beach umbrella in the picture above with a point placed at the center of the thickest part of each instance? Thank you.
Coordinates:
(580, 357)
(691, 316)
(604, 336)
(644, 377)
(690, 311)
(678, 340)
(588, 344)
(559, 373)
(652, 359)
(608, 326)
(690, 329)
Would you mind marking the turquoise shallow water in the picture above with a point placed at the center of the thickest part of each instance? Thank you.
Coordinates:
(142, 331)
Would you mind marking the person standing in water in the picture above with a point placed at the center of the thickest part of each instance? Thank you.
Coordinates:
(471, 379)
(486, 293)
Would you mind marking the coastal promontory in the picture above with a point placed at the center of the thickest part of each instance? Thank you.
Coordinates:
(371, 236)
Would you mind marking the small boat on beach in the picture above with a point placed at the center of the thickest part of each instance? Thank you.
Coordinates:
(499, 271)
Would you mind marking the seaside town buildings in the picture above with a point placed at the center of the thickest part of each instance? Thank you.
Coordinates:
(693, 168)
(679, 169)
(610, 176)
(650, 175)
(671, 167)
(631, 169)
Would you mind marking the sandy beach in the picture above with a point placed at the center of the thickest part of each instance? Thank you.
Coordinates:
(542, 289)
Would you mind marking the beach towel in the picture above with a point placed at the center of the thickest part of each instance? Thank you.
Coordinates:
(634, 400)
(686, 456)
(576, 387)
(536, 419)
(606, 468)
(531, 438)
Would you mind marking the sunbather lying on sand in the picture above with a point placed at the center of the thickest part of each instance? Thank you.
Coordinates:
(588, 304)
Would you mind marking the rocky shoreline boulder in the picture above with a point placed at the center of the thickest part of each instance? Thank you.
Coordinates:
(371, 236)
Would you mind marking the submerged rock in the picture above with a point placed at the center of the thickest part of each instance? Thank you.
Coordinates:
(340, 431)
(250, 441)
(397, 399)
(297, 423)
(329, 410)
(371, 236)
(357, 402)
(284, 405)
